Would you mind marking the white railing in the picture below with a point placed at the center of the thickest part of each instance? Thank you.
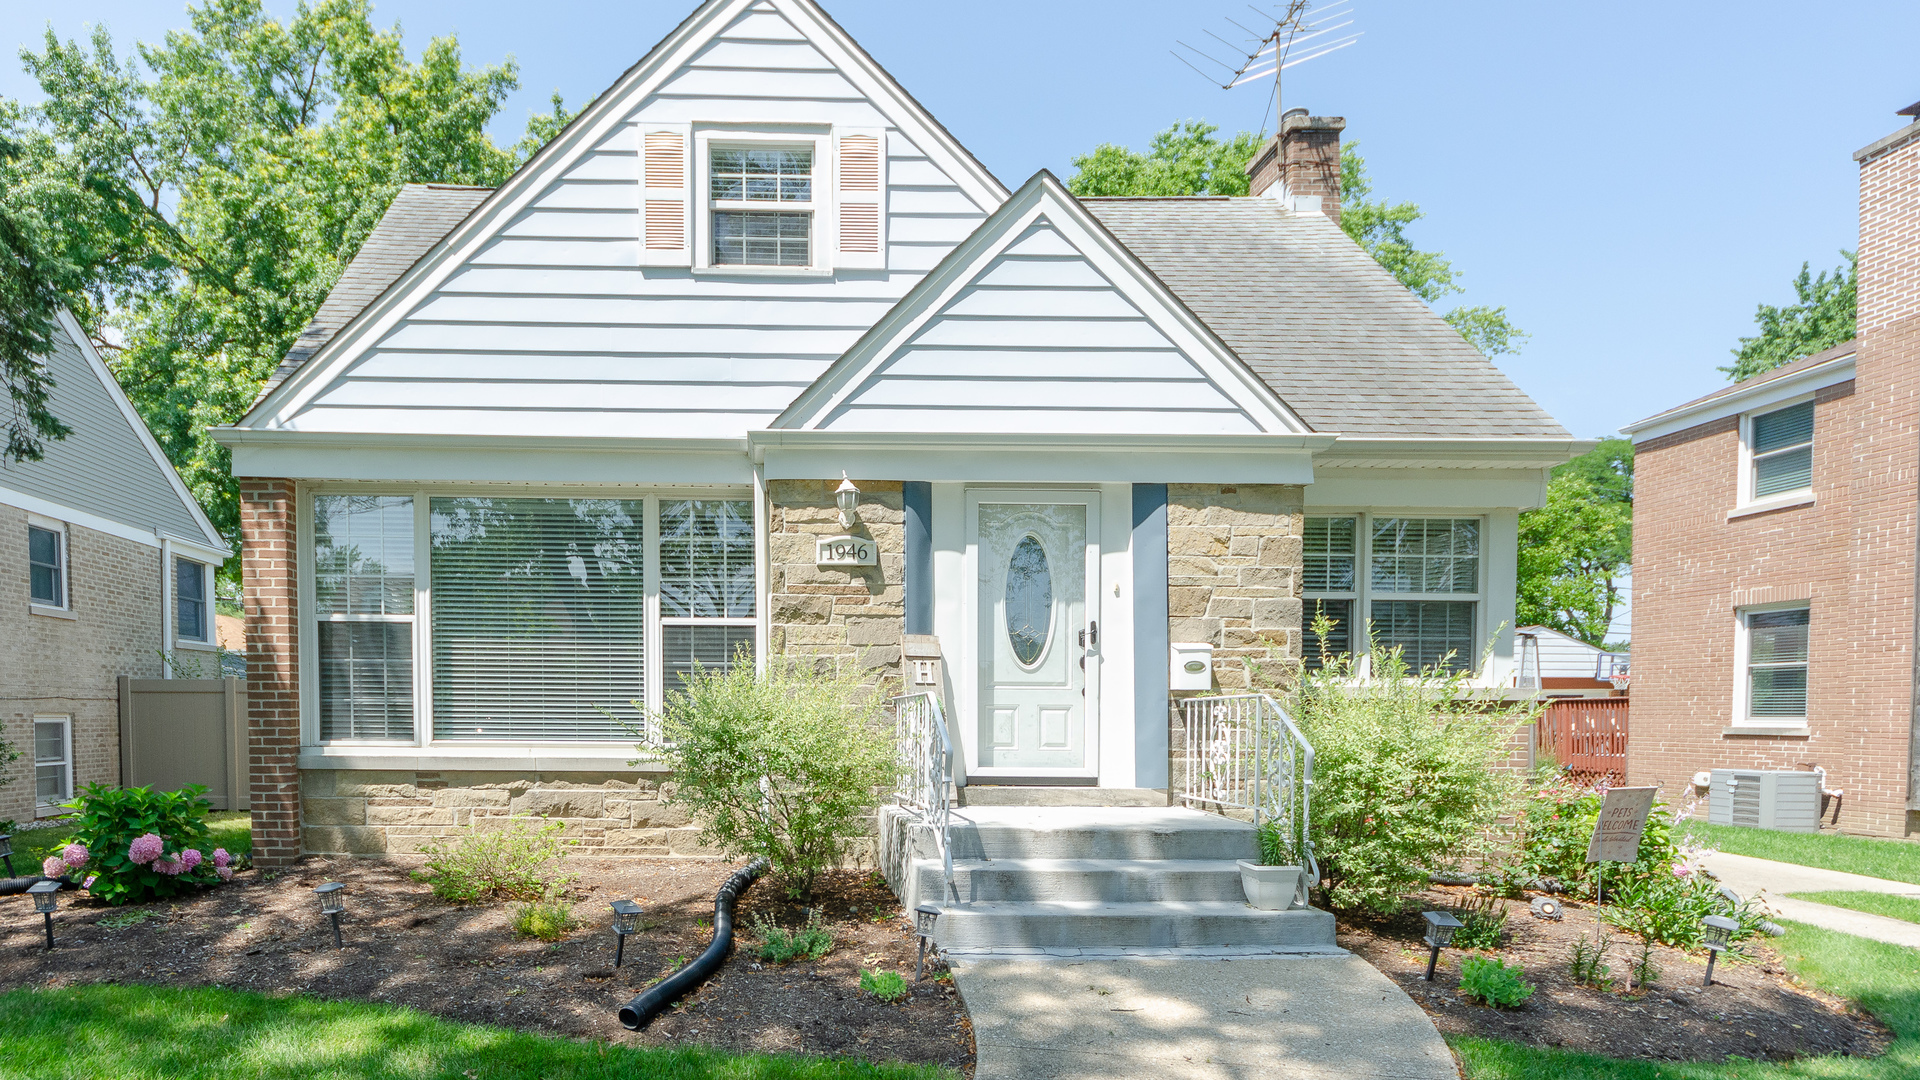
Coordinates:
(926, 769)
(1243, 752)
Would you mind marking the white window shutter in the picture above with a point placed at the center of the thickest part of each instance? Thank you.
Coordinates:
(666, 195)
(861, 198)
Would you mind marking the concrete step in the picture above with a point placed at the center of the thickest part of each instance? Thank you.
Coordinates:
(1018, 795)
(1111, 880)
(1098, 833)
(1092, 924)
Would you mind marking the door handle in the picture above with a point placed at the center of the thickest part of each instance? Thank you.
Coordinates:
(1091, 635)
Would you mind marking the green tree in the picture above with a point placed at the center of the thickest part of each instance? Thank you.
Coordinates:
(208, 191)
(1575, 550)
(1822, 316)
(33, 276)
(1188, 159)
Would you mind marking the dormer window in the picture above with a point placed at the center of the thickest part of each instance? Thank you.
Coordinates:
(745, 185)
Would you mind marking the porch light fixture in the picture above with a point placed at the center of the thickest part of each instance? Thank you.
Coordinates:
(847, 498)
(6, 851)
(626, 920)
(1718, 932)
(925, 917)
(1544, 908)
(332, 903)
(1440, 928)
(44, 901)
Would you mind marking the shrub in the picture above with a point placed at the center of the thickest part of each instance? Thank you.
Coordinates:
(1586, 961)
(1492, 981)
(1557, 827)
(782, 946)
(549, 918)
(888, 986)
(1667, 907)
(1407, 774)
(1482, 923)
(137, 844)
(788, 766)
(515, 862)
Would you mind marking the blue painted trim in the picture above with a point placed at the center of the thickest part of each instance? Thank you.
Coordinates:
(1150, 693)
(916, 496)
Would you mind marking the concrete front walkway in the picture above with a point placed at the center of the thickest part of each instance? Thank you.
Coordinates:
(1161, 1017)
(1771, 882)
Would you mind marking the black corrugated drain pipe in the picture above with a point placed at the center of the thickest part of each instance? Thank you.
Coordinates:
(649, 1002)
(15, 885)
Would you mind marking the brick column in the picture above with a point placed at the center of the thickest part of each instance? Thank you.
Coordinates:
(268, 554)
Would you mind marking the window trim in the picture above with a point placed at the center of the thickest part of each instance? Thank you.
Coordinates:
(64, 539)
(1745, 500)
(1743, 717)
(208, 638)
(653, 662)
(1363, 595)
(66, 723)
(823, 237)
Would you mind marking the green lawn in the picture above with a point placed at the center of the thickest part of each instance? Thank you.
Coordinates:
(158, 1033)
(1883, 978)
(1895, 860)
(233, 831)
(1873, 903)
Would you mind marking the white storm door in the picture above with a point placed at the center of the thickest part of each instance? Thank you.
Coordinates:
(1035, 646)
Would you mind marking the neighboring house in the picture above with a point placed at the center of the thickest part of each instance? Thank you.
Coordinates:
(1774, 542)
(1564, 665)
(548, 447)
(113, 565)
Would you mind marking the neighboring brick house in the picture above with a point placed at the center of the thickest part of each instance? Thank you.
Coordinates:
(1774, 548)
(85, 532)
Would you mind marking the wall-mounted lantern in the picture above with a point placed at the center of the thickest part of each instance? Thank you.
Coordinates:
(847, 498)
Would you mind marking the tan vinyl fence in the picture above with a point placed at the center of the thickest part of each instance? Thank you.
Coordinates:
(175, 732)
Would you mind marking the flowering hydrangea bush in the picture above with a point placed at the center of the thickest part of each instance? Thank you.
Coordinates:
(142, 844)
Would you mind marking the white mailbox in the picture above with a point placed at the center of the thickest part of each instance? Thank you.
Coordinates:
(1192, 666)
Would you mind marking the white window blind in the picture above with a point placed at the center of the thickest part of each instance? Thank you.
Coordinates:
(363, 604)
(707, 588)
(1777, 664)
(1330, 576)
(539, 615)
(1416, 568)
(1783, 450)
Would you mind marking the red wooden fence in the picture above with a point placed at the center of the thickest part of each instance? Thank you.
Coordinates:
(1587, 737)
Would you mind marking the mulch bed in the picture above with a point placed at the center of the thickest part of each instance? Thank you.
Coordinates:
(465, 963)
(1753, 1009)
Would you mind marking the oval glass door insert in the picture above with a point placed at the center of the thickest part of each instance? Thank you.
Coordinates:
(1029, 600)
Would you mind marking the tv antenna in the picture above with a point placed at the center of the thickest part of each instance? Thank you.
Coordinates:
(1272, 51)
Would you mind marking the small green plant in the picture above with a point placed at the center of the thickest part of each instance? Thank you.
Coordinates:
(1587, 960)
(1667, 908)
(1277, 846)
(888, 986)
(127, 918)
(1641, 972)
(1492, 981)
(515, 862)
(549, 918)
(1483, 923)
(781, 946)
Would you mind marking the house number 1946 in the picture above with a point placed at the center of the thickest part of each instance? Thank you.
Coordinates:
(846, 551)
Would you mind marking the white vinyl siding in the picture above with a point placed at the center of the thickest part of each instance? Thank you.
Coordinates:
(364, 604)
(47, 565)
(1774, 653)
(1420, 581)
(52, 763)
(1782, 450)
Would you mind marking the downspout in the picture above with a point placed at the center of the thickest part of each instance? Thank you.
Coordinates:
(166, 606)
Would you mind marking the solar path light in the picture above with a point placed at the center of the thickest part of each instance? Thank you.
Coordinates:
(626, 920)
(1544, 908)
(924, 919)
(332, 903)
(1719, 931)
(1440, 928)
(44, 901)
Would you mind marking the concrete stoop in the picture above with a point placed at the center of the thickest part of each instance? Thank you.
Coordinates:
(1028, 877)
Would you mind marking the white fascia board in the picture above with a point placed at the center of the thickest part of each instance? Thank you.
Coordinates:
(212, 540)
(1743, 400)
(1042, 196)
(1361, 452)
(486, 458)
(1054, 459)
(594, 124)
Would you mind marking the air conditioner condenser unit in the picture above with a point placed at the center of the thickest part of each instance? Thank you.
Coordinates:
(1785, 800)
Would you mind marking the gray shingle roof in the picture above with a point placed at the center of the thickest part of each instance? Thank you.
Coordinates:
(1330, 330)
(1794, 367)
(415, 221)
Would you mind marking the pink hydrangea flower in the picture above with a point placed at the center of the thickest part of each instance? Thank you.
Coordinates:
(191, 858)
(225, 872)
(169, 867)
(146, 849)
(53, 867)
(221, 859)
(75, 855)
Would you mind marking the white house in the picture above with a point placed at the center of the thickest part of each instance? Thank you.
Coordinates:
(548, 446)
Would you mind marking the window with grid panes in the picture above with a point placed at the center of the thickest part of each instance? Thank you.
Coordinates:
(763, 203)
(1329, 579)
(47, 566)
(708, 609)
(1419, 570)
(1783, 450)
(364, 611)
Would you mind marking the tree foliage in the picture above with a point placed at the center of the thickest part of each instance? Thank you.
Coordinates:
(1575, 550)
(33, 275)
(1185, 159)
(196, 199)
(1822, 316)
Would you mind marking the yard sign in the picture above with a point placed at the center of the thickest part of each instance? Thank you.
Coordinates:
(1623, 817)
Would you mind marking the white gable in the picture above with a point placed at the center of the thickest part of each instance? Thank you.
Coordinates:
(1042, 323)
(543, 313)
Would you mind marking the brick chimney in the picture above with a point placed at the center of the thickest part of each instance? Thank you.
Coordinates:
(1304, 159)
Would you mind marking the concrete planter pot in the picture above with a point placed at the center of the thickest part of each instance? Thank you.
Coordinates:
(1269, 888)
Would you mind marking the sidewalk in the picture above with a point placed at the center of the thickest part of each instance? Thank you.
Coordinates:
(1144, 1017)
(1770, 882)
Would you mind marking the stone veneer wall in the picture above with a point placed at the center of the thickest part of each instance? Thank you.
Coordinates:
(853, 614)
(1233, 575)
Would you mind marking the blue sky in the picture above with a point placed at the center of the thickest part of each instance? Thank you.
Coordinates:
(1629, 179)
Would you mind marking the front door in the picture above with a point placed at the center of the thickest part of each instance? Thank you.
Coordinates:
(1037, 647)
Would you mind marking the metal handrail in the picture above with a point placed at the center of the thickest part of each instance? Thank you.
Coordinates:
(926, 768)
(1243, 752)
